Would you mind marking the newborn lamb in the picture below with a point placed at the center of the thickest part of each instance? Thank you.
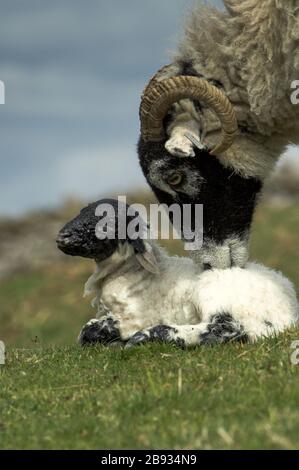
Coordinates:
(142, 294)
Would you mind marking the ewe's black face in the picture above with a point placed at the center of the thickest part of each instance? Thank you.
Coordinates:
(228, 199)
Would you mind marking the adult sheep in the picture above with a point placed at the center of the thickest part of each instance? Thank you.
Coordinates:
(142, 294)
(233, 71)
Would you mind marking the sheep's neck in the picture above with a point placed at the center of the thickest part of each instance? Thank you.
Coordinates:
(115, 276)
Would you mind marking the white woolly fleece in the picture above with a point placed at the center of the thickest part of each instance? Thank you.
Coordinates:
(252, 48)
(261, 300)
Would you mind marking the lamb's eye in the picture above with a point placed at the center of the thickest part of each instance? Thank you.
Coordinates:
(175, 179)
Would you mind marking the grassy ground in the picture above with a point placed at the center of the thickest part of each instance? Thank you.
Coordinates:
(154, 396)
(55, 395)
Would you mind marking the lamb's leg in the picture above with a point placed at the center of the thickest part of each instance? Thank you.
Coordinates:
(100, 331)
(221, 328)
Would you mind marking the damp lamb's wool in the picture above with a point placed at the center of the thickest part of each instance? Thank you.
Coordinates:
(258, 301)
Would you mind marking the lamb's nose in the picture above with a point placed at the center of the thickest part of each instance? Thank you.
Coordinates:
(63, 238)
(207, 266)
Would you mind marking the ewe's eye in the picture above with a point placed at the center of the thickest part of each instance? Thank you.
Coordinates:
(175, 179)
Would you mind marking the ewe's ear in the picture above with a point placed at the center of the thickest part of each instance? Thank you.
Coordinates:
(148, 260)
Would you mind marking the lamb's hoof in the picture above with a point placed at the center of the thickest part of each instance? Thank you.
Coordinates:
(160, 333)
(102, 331)
(137, 339)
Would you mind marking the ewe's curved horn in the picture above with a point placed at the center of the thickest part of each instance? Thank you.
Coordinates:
(160, 95)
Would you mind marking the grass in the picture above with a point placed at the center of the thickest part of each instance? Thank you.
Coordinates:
(55, 395)
(233, 397)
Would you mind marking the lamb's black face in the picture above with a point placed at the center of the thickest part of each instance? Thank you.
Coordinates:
(78, 237)
(228, 199)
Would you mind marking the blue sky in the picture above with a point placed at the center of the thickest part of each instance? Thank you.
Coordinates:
(73, 72)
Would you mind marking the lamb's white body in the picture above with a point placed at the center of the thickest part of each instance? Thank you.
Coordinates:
(260, 301)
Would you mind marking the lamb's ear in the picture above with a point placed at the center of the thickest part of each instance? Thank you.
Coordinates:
(148, 260)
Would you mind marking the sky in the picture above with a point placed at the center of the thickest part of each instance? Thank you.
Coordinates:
(73, 72)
